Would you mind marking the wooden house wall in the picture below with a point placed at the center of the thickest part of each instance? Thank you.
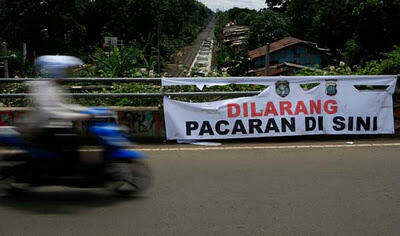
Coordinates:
(298, 54)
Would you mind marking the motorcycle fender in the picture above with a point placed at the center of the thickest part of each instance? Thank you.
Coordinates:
(125, 154)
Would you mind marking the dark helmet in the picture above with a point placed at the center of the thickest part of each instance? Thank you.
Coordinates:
(51, 66)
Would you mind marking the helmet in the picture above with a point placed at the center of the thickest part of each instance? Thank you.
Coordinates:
(52, 66)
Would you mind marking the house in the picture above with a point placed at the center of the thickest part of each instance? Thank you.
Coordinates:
(285, 68)
(234, 35)
(287, 55)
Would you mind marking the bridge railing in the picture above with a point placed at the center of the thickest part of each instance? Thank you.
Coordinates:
(118, 95)
(156, 81)
(145, 122)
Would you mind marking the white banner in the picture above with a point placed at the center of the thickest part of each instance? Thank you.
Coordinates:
(337, 105)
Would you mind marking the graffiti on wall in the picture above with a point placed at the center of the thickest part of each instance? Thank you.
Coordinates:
(8, 118)
(143, 123)
(147, 124)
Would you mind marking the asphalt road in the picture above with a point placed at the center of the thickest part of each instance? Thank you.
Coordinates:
(236, 189)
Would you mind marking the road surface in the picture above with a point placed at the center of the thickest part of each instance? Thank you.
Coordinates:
(307, 188)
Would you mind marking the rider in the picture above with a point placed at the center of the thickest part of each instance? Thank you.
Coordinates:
(51, 113)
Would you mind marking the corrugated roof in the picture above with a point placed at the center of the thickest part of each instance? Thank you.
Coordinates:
(282, 68)
(234, 31)
(235, 28)
(283, 43)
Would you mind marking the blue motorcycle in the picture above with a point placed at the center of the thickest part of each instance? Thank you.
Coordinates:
(51, 150)
(58, 156)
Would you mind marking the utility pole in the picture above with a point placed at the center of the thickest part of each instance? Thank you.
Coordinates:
(5, 59)
(24, 52)
(267, 59)
(183, 35)
(158, 47)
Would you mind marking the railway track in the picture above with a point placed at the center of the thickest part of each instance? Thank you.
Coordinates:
(191, 52)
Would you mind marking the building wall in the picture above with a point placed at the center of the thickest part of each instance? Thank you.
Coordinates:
(299, 54)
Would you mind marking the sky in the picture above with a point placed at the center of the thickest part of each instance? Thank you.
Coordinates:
(224, 5)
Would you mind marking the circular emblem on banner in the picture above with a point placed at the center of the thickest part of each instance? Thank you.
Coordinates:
(331, 88)
(282, 88)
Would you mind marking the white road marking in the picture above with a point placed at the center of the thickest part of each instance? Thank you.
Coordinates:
(269, 147)
(313, 146)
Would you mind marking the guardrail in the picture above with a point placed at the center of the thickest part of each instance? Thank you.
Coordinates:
(90, 80)
(145, 95)
(130, 95)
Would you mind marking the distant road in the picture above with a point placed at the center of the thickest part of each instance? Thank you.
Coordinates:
(305, 188)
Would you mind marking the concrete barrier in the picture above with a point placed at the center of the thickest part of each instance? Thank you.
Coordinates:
(143, 122)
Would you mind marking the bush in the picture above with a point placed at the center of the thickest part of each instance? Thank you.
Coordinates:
(127, 62)
(391, 65)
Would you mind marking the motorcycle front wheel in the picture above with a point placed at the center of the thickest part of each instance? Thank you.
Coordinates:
(129, 178)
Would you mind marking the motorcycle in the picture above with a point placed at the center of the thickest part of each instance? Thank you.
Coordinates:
(59, 153)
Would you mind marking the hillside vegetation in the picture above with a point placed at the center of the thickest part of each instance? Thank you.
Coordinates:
(361, 33)
(78, 27)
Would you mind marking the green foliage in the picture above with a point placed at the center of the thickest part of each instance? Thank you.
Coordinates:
(127, 62)
(74, 27)
(370, 68)
(13, 88)
(267, 27)
(18, 67)
(125, 88)
(46, 26)
(352, 50)
(237, 62)
(364, 28)
(224, 55)
(391, 65)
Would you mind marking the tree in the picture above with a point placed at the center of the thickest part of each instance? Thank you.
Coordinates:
(371, 24)
(267, 26)
(48, 26)
(78, 27)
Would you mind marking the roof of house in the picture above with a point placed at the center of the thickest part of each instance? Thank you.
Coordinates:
(235, 29)
(234, 35)
(282, 68)
(280, 44)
